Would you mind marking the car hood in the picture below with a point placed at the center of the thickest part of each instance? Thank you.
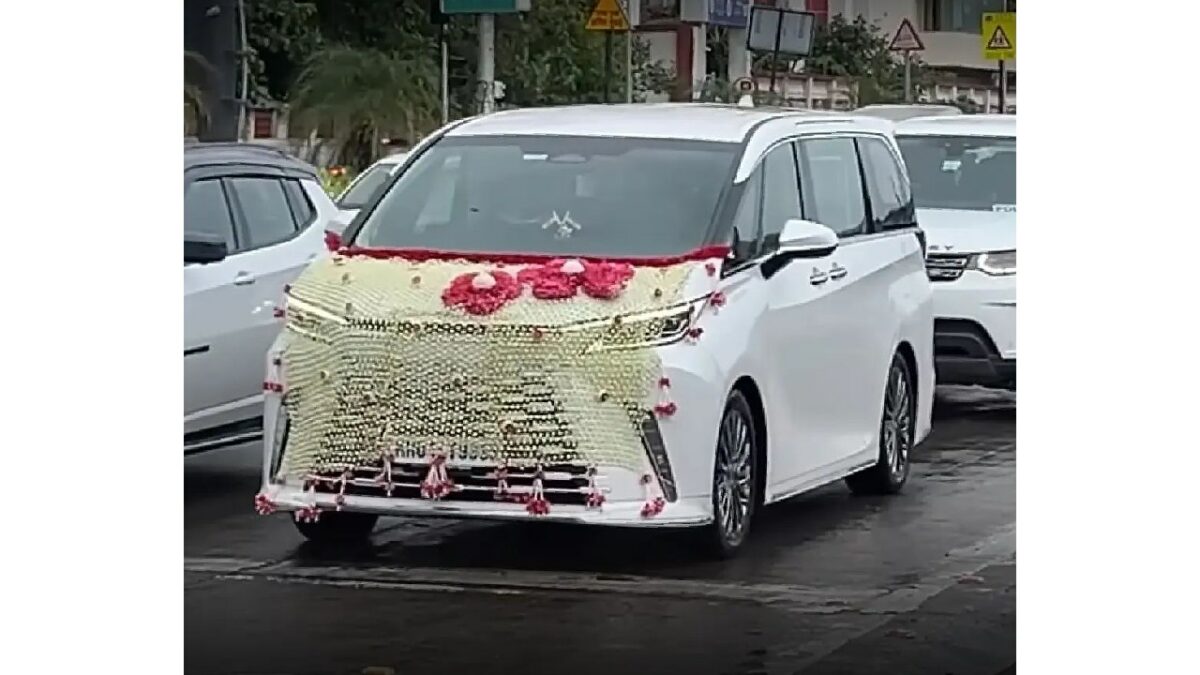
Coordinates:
(955, 231)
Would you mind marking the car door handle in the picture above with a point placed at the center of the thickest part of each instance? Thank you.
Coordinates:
(818, 277)
(243, 279)
(837, 272)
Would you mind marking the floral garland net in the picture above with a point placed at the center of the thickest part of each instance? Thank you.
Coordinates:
(527, 364)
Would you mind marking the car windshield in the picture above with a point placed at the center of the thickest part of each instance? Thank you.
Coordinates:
(962, 172)
(372, 180)
(557, 195)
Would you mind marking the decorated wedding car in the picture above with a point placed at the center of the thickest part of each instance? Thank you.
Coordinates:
(659, 315)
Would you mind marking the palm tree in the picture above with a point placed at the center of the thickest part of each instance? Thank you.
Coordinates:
(357, 97)
(196, 73)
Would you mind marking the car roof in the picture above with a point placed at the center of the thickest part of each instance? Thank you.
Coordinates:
(683, 121)
(218, 154)
(960, 125)
(902, 111)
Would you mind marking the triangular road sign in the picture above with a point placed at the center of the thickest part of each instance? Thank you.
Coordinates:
(608, 15)
(999, 39)
(906, 39)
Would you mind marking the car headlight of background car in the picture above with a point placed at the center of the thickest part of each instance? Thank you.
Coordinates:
(997, 263)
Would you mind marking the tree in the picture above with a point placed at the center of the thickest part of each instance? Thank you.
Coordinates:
(196, 73)
(857, 49)
(357, 97)
(281, 35)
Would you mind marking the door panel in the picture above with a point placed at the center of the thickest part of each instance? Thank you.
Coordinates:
(797, 325)
(211, 329)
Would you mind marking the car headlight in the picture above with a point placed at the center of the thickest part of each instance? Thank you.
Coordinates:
(310, 320)
(997, 263)
(648, 329)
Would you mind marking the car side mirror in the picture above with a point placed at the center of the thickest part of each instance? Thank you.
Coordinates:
(806, 239)
(203, 249)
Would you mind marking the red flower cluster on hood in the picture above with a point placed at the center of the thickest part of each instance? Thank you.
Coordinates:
(481, 293)
(559, 279)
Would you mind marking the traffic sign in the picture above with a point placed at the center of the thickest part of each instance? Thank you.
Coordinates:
(998, 36)
(608, 15)
(906, 39)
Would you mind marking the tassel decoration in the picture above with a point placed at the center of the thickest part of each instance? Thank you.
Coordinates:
(537, 504)
(437, 483)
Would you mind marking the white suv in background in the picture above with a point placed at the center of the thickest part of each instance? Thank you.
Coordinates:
(643, 315)
(254, 218)
(364, 187)
(964, 171)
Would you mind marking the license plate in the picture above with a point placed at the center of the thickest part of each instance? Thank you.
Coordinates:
(455, 457)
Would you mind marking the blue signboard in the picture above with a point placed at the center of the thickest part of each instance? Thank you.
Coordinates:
(729, 13)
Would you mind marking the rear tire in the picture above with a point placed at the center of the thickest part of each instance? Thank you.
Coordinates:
(735, 485)
(897, 431)
(338, 527)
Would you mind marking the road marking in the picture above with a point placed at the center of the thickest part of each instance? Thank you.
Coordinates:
(880, 602)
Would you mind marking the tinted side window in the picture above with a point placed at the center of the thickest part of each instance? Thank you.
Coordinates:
(206, 211)
(831, 185)
(891, 202)
(265, 210)
(781, 194)
(303, 210)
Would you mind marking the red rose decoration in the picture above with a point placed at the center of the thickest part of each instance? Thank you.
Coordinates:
(605, 280)
(549, 281)
(481, 293)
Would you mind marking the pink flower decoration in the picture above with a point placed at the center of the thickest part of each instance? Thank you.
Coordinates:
(605, 280)
(561, 279)
(549, 281)
(653, 507)
(666, 409)
(479, 298)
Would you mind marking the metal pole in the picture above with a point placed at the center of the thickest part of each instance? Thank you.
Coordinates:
(1003, 87)
(629, 65)
(487, 60)
(775, 52)
(607, 63)
(445, 74)
(244, 49)
(908, 76)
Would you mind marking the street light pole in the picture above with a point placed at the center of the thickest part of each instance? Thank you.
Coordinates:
(487, 61)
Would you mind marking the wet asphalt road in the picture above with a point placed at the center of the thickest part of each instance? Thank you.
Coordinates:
(923, 583)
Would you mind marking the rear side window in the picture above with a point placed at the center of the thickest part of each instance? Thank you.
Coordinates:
(303, 210)
(266, 214)
(831, 185)
(206, 211)
(887, 188)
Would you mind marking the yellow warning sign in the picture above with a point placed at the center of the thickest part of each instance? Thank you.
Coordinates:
(998, 36)
(608, 15)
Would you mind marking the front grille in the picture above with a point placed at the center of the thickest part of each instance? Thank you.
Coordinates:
(943, 267)
(561, 483)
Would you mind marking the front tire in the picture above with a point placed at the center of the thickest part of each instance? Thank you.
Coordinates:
(338, 527)
(735, 478)
(897, 432)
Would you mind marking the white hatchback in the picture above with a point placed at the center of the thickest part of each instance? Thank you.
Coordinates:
(658, 315)
(254, 218)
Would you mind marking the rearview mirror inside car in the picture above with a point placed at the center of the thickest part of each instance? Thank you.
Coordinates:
(202, 248)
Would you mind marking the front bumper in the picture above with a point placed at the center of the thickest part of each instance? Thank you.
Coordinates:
(625, 513)
(975, 338)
